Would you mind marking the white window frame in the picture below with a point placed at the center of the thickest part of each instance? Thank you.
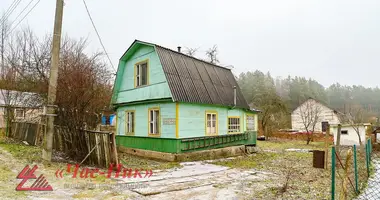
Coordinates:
(129, 122)
(154, 126)
(138, 75)
(254, 122)
(234, 125)
(211, 123)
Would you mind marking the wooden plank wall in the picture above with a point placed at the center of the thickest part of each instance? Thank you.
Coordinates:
(89, 147)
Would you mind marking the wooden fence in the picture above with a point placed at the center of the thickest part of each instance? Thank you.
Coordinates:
(29, 132)
(90, 147)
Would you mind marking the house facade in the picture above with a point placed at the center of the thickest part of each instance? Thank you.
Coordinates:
(313, 113)
(23, 107)
(349, 133)
(169, 102)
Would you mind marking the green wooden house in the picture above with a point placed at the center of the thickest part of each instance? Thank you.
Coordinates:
(169, 102)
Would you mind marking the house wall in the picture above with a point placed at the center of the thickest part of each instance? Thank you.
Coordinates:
(192, 119)
(157, 86)
(325, 115)
(167, 110)
(32, 115)
(351, 138)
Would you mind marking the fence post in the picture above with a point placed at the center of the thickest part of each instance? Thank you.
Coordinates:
(356, 170)
(332, 173)
(370, 147)
(367, 157)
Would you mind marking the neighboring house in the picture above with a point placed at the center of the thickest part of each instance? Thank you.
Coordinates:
(312, 112)
(169, 102)
(24, 106)
(348, 134)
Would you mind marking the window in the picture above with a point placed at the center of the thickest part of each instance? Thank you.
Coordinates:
(130, 122)
(234, 124)
(141, 74)
(211, 124)
(325, 126)
(344, 132)
(250, 123)
(154, 121)
(19, 113)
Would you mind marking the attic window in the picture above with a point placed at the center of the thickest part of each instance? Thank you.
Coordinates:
(141, 73)
(344, 132)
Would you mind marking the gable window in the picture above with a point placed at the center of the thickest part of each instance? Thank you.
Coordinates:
(141, 74)
(344, 132)
(211, 123)
(250, 122)
(234, 124)
(154, 121)
(19, 113)
(130, 122)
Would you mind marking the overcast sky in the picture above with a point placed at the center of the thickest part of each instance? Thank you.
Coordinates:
(327, 40)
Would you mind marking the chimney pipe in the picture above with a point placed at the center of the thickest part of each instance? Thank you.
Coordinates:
(179, 49)
(234, 96)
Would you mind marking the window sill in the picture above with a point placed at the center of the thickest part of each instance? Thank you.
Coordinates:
(154, 135)
(141, 86)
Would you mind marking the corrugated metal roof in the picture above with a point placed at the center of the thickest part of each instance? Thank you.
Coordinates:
(196, 81)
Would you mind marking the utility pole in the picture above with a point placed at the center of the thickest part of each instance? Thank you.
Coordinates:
(48, 140)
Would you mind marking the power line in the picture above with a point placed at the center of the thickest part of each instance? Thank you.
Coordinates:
(24, 17)
(11, 8)
(6, 12)
(21, 13)
(97, 33)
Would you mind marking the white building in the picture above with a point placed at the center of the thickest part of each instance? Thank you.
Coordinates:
(312, 112)
(348, 134)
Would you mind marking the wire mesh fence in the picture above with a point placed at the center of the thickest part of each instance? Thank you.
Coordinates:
(355, 172)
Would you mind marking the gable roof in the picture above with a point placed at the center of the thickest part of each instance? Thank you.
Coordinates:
(196, 81)
(19, 99)
(322, 103)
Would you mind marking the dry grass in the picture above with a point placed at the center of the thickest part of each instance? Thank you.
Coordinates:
(305, 182)
(132, 161)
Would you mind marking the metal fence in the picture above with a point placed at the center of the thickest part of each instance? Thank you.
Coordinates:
(355, 172)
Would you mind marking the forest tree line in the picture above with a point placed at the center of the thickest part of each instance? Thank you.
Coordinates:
(278, 97)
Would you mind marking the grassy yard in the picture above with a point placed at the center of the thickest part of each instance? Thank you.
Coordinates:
(297, 177)
(132, 161)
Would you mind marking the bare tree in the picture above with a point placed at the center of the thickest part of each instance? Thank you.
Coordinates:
(310, 113)
(212, 54)
(191, 51)
(354, 115)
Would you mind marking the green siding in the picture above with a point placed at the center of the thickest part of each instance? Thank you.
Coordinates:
(149, 143)
(192, 119)
(158, 86)
(167, 110)
(186, 145)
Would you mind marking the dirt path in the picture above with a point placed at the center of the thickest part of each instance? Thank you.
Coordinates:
(194, 180)
(199, 180)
